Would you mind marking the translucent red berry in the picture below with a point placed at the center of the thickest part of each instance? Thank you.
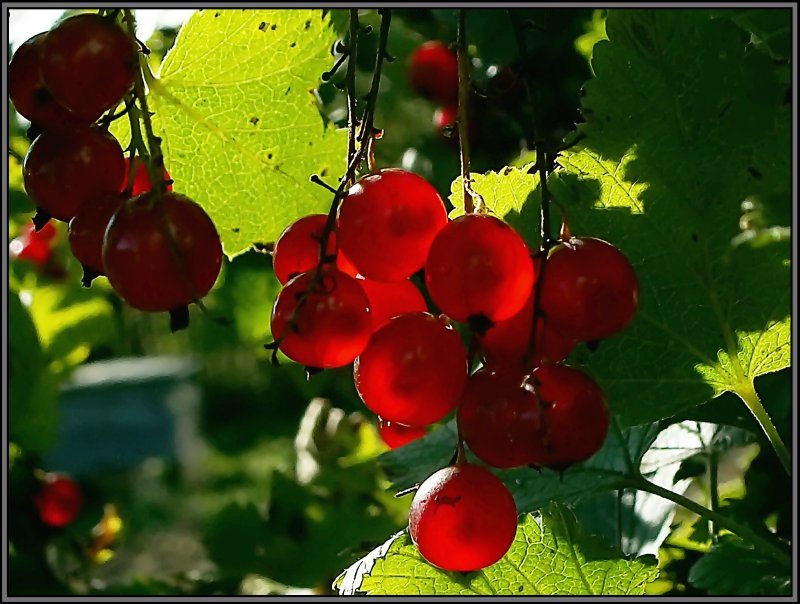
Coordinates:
(387, 222)
(161, 254)
(576, 415)
(463, 518)
(433, 72)
(413, 371)
(141, 180)
(590, 290)
(59, 501)
(88, 228)
(343, 264)
(30, 96)
(388, 300)
(332, 325)
(396, 435)
(88, 63)
(64, 170)
(479, 270)
(34, 247)
(500, 418)
(297, 249)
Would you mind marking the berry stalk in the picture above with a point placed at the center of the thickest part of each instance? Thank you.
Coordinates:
(463, 100)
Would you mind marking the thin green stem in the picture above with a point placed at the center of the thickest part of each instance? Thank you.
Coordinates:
(748, 394)
(713, 488)
(775, 551)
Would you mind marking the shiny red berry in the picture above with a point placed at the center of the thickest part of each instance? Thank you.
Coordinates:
(64, 170)
(343, 264)
(576, 415)
(30, 96)
(297, 249)
(500, 418)
(332, 325)
(387, 222)
(388, 300)
(479, 270)
(413, 371)
(141, 180)
(396, 435)
(433, 72)
(59, 501)
(590, 290)
(88, 228)
(29, 248)
(88, 63)
(463, 518)
(161, 254)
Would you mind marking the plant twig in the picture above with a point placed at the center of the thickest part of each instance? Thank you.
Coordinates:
(463, 113)
(350, 79)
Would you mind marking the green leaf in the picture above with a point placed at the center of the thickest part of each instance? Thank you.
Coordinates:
(771, 29)
(236, 108)
(551, 554)
(735, 568)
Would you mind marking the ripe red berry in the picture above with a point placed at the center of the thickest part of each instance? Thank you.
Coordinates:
(88, 228)
(413, 371)
(297, 249)
(388, 300)
(590, 290)
(64, 170)
(433, 72)
(444, 118)
(508, 341)
(463, 518)
(88, 63)
(396, 435)
(343, 264)
(576, 415)
(30, 96)
(161, 254)
(59, 501)
(387, 222)
(31, 247)
(479, 270)
(330, 328)
(500, 417)
(141, 180)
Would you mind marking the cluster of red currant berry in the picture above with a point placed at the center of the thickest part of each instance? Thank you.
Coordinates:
(433, 74)
(59, 500)
(159, 249)
(355, 302)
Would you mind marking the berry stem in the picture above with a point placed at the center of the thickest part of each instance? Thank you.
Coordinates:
(463, 100)
(350, 84)
(748, 394)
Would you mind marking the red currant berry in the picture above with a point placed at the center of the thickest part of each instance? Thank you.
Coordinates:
(500, 417)
(343, 264)
(445, 119)
(388, 300)
(387, 222)
(31, 249)
(479, 270)
(88, 63)
(589, 290)
(330, 328)
(161, 254)
(59, 501)
(297, 249)
(62, 171)
(463, 518)
(88, 228)
(508, 341)
(433, 72)
(576, 415)
(30, 96)
(141, 180)
(413, 371)
(46, 233)
(396, 435)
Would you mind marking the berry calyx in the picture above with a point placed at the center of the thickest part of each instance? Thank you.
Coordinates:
(500, 417)
(388, 300)
(413, 371)
(88, 228)
(387, 222)
(396, 435)
(590, 290)
(463, 518)
(433, 72)
(64, 170)
(575, 413)
(297, 249)
(479, 270)
(141, 179)
(59, 501)
(30, 96)
(161, 254)
(88, 63)
(322, 327)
